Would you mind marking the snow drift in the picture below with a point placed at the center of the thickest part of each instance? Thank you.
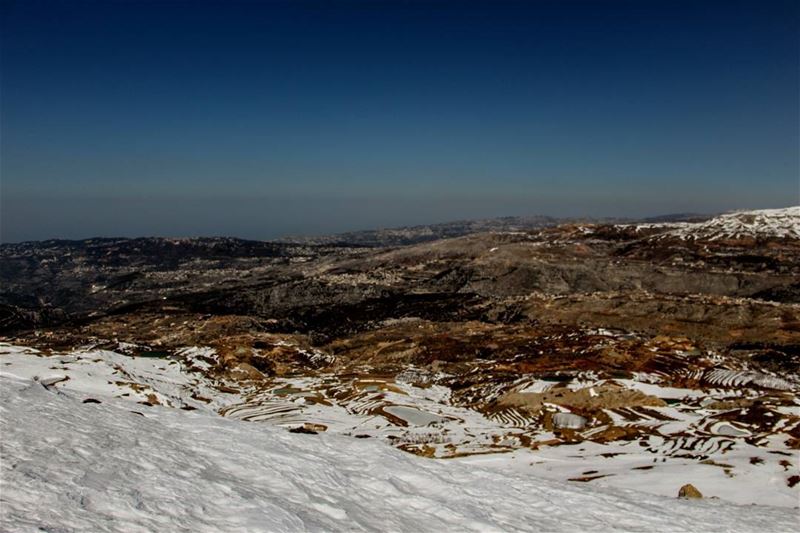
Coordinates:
(109, 466)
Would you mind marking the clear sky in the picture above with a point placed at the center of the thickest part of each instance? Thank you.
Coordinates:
(262, 119)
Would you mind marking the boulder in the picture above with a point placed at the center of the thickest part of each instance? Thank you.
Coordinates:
(689, 491)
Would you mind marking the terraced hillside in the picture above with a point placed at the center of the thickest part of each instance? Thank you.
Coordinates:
(635, 355)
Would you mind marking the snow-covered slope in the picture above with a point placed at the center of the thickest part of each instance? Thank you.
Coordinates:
(764, 223)
(109, 466)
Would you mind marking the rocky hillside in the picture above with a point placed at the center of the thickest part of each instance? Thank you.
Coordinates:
(766, 224)
(640, 356)
(304, 287)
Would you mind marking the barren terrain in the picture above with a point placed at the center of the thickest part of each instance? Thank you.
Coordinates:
(637, 355)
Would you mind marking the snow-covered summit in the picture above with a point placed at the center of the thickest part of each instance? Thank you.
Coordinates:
(763, 223)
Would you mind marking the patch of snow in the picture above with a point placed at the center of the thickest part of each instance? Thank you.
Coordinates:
(537, 386)
(737, 378)
(412, 415)
(100, 467)
(199, 356)
(769, 223)
(568, 420)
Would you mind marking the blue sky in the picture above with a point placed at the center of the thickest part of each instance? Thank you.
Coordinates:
(262, 119)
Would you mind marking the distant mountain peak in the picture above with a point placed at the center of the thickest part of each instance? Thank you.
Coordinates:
(782, 223)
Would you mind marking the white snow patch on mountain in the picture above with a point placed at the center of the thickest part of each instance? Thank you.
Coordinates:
(764, 223)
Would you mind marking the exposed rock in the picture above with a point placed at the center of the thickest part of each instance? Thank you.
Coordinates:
(310, 287)
(302, 429)
(613, 433)
(689, 491)
(244, 371)
(589, 398)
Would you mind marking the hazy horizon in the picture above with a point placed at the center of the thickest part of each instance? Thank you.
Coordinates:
(143, 226)
(268, 119)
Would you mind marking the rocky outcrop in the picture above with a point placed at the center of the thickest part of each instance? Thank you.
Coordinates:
(689, 491)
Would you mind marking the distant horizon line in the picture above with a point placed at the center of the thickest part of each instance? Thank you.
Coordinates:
(287, 238)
